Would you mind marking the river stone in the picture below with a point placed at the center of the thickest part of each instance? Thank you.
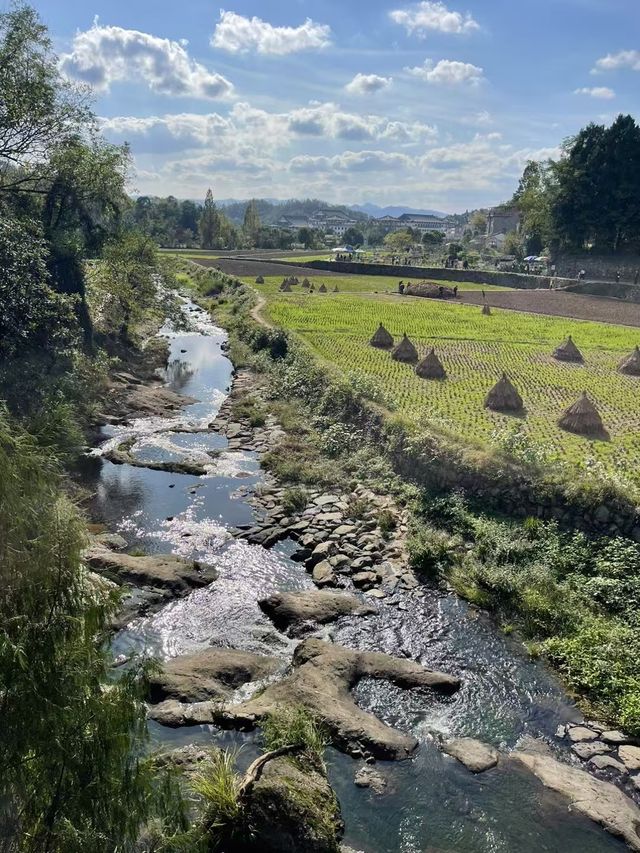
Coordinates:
(577, 734)
(111, 540)
(322, 552)
(364, 580)
(289, 610)
(367, 777)
(630, 757)
(475, 755)
(324, 500)
(210, 673)
(588, 750)
(607, 762)
(361, 563)
(616, 737)
(323, 574)
(601, 801)
(344, 530)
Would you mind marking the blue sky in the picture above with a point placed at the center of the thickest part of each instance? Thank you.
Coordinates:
(431, 104)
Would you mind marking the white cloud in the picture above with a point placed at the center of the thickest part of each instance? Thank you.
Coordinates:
(603, 92)
(352, 161)
(328, 120)
(434, 16)
(237, 34)
(367, 84)
(257, 129)
(614, 61)
(449, 72)
(104, 55)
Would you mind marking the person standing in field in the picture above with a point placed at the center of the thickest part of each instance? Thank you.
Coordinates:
(636, 276)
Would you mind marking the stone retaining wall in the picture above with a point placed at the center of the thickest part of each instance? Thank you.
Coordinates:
(505, 279)
(601, 267)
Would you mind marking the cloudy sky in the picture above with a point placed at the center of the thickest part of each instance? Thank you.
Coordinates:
(431, 104)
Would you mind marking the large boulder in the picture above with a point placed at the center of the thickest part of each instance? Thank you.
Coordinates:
(321, 681)
(291, 809)
(599, 800)
(171, 574)
(210, 673)
(291, 610)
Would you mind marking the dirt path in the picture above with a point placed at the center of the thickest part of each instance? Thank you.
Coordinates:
(257, 308)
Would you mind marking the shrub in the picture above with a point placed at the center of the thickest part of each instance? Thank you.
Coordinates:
(386, 522)
(295, 726)
(294, 500)
(218, 786)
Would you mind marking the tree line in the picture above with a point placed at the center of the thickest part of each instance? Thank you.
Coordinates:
(588, 199)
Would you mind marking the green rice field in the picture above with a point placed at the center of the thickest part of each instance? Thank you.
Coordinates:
(475, 349)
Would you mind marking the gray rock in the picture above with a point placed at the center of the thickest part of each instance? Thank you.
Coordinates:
(289, 610)
(475, 755)
(364, 580)
(616, 737)
(630, 757)
(321, 679)
(210, 673)
(586, 750)
(112, 540)
(599, 800)
(607, 762)
(322, 552)
(578, 734)
(323, 574)
(367, 777)
(361, 563)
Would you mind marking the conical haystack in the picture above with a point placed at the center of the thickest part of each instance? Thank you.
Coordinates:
(294, 280)
(322, 288)
(311, 288)
(631, 363)
(381, 338)
(504, 396)
(260, 280)
(305, 282)
(405, 351)
(335, 289)
(568, 351)
(486, 309)
(285, 287)
(583, 418)
(431, 367)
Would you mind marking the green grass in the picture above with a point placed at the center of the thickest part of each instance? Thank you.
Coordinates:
(354, 284)
(302, 258)
(475, 349)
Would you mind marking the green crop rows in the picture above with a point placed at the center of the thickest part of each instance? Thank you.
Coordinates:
(475, 349)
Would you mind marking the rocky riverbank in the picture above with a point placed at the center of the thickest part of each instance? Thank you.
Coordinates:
(353, 544)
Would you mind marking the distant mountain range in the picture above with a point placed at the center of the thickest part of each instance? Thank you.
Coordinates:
(393, 210)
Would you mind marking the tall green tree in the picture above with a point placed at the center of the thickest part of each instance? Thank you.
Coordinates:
(209, 223)
(251, 225)
(83, 205)
(39, 110)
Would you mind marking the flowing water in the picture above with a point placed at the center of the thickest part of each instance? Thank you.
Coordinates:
(432, 803)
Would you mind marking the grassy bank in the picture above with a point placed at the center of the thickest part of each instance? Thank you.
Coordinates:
(571, 597)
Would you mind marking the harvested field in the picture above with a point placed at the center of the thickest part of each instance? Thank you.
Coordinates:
(561, 304)
(249, 268)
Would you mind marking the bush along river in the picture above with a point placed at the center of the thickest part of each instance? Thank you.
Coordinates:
(446, 736)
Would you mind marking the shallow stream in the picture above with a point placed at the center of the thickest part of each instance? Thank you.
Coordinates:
(432, 803)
